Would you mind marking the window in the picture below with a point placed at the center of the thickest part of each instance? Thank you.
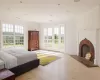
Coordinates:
(49, 35)
(62, 30)
(18, 29)
(12, 35)
(56, 35)
(8, 35)
(45, 35)
(62, 34)
(19, 36)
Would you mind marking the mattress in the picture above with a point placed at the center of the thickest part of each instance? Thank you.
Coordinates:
(9, 60)
(22, 55)
(2, 64)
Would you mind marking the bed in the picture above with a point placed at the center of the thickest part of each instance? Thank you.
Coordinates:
(19, 60)
(1, 64)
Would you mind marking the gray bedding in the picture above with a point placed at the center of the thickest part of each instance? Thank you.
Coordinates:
(22, 56)
(1, 64)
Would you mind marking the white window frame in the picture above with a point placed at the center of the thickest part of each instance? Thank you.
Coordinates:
(56, 46)
(14, 35)
(46, 41)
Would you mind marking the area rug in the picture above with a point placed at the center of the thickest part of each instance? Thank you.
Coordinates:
(46, 59)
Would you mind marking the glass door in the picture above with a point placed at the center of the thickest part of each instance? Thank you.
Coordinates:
(54, 38)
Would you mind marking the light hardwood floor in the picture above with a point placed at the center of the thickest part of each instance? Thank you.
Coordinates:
(65, 68)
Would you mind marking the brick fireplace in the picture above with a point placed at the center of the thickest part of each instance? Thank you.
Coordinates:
(86, 49)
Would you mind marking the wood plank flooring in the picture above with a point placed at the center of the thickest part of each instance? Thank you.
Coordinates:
(65, 68)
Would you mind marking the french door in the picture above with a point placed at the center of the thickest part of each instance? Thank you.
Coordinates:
(54, 38)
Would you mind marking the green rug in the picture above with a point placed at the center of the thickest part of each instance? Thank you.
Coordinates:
(45, 59)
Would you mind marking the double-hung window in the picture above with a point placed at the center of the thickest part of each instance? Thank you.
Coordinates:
(62, 34)
(8, 35)
(19, 36)
(56, 35)
(12, 35)
(45, 35)
(48, 37)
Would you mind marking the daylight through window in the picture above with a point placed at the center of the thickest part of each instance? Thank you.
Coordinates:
(12, 35)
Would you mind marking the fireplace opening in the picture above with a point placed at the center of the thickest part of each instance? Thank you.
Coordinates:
(86, 50)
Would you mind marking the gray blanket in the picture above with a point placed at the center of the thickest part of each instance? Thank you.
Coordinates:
(22, 56)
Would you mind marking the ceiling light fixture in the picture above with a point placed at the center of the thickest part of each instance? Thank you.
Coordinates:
(76, 0)
(21, 2)
(50, 20)
(25, 14)
(8, 8)
(67, 11)
(17, 18)
(58, 4)
(50, 15)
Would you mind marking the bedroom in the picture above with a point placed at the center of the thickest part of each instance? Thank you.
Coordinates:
(65, 29)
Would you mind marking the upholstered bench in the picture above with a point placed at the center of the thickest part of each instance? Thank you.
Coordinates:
(6, 74)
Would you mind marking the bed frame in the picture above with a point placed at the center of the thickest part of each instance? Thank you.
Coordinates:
(25, 67)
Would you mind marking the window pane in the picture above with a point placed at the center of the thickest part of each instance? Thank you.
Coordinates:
(56, 31)
(8, 41)
(49, 31)
(48, 37)
(45, 35)
(19, 40)
(3, 25)
(45, 31)
(62, 34)
(4, 29)
(19, 29)
(62, 30)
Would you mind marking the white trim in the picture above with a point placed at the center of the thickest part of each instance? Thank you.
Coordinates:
(14, 35)
(59, 40)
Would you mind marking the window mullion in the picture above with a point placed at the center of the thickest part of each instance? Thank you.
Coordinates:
(14, 34)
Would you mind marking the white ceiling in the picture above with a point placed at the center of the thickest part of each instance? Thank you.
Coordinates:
(44, 10)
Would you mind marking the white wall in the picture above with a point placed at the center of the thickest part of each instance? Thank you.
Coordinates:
(71, 37)
(97, 47)
(89, 20)
(33, 26)
(27, 26)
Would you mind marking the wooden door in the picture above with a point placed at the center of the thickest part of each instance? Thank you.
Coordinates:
(33, 41)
